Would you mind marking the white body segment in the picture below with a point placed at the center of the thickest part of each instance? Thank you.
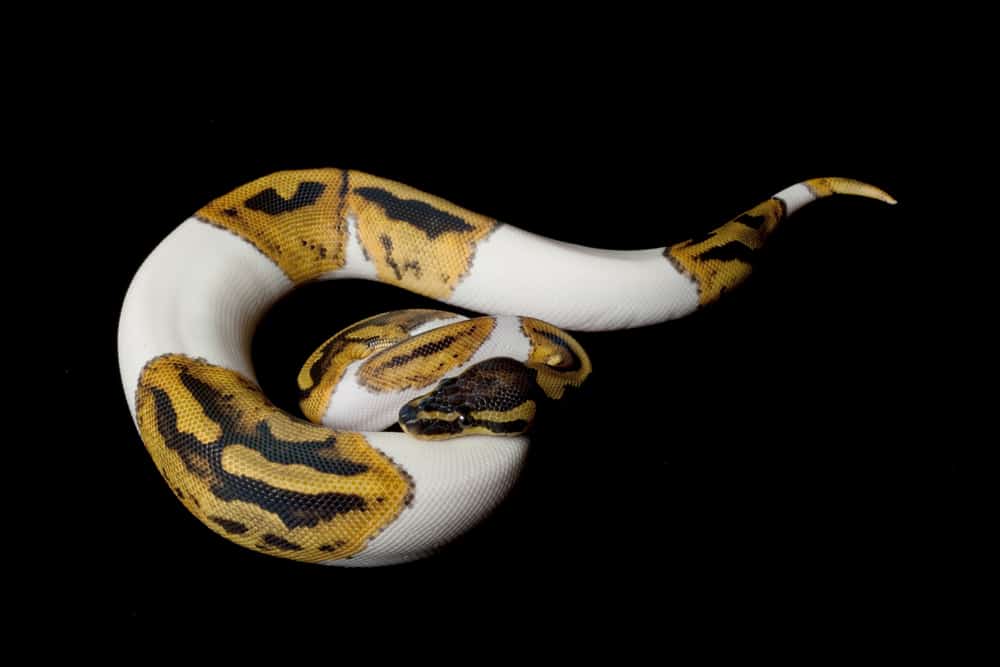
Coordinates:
(795, 197)
(201, 293)
(356, 265)
(584, 289)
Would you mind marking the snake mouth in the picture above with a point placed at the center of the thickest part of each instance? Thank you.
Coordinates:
(415, 423)
(407, 416)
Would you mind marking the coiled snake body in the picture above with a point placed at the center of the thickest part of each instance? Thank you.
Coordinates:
(355, 495)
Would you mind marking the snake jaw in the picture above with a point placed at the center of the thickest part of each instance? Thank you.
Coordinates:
(416, 421)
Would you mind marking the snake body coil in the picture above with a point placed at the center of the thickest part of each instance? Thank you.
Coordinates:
(354, 495)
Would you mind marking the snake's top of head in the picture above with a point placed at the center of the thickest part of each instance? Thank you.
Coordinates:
(494, 397)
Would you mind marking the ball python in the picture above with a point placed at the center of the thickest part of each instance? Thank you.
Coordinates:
(338, 489)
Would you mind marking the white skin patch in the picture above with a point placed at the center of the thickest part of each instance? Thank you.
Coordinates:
(434, 324)
(574, 287)
(795, 197)
(199, 293)
(356, 265)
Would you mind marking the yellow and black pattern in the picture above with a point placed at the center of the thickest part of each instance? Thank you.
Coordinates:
(417, 241)
(421, 361)
(299, 219)
(559, 359)
(723, 258)
(258, 476)
(497, 396)
(325, 367)
(296, 218)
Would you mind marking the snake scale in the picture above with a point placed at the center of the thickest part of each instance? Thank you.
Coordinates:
(337, 489)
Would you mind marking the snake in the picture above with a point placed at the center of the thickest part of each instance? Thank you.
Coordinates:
(332, 485)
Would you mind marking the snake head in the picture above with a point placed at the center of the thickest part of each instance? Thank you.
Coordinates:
(493, 397)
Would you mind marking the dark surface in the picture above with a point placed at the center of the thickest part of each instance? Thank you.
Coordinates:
(765, 449)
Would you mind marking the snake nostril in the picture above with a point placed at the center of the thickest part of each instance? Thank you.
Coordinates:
(407, 414)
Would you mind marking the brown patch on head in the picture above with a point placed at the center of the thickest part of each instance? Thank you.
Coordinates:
(425, 359)
(294, 217)
(417, 241)
(259, 472)
(721, 259)
(325, 367)
(558, 358)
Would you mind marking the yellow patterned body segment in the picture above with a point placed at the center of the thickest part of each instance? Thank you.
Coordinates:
(325, 367)
(296, 218)
(299, 220)
(722, 259)
(258, 476)
(558, 358)
(833, 185)
(417, 241)
(421, 361)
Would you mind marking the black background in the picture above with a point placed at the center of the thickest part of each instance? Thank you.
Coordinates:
(775, 448)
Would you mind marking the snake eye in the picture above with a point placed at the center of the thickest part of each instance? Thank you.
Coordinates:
(464, 419)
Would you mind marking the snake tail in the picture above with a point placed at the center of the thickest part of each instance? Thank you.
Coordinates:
(723, 258)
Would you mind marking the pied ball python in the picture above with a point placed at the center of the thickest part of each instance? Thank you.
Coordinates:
(340, 490)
